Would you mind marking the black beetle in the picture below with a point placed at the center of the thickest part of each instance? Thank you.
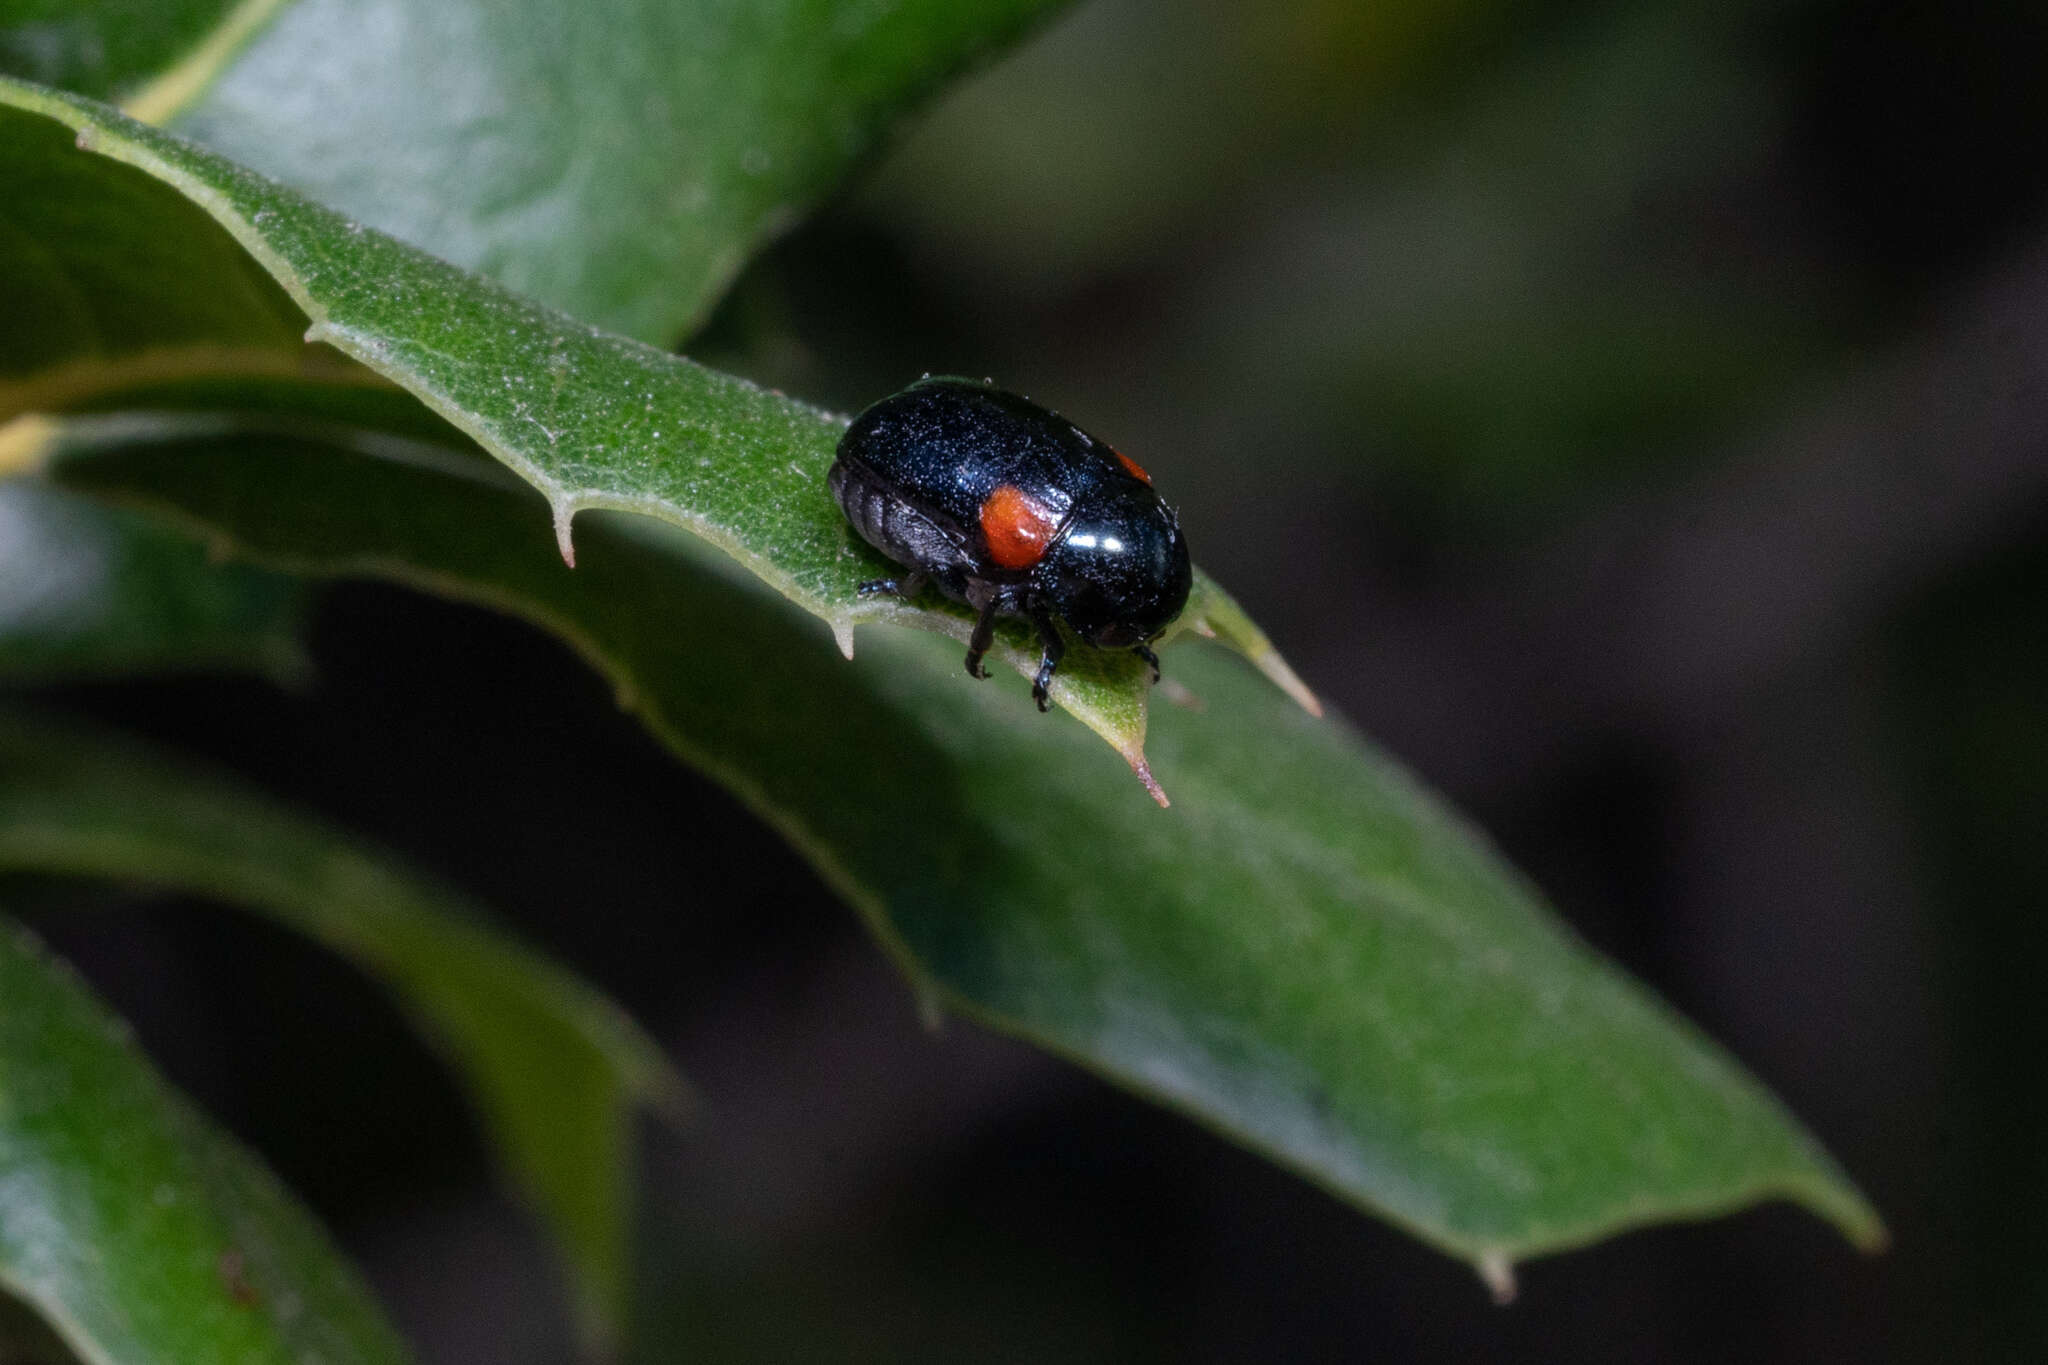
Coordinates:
(1013, 510)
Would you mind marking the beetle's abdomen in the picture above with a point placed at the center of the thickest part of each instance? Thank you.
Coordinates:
(886, 521)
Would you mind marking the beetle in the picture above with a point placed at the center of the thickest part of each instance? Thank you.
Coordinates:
(1013, 510)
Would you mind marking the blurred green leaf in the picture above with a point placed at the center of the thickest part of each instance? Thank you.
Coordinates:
(1096, 150)
(554, 1067)
(1538, 287)
(1530, 280)
(134, 1228)
(1307, 953)
(104, 47)
(590, 419)
(90, 591)
(619, 159)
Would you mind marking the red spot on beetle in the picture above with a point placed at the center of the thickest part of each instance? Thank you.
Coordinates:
(1131, 466)
(1017, 526)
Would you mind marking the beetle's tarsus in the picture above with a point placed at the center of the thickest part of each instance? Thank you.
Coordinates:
(1145, 652)
(1049, 662)
(906, 587)
(984, 636)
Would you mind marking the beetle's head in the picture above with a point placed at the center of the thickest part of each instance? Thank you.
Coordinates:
(1119, 572)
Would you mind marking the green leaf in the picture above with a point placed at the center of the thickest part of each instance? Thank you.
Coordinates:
(104, 47)
(619, 159)
(135, 1229)
(590, 419)
(89, 591)
(112, 284)
(1307, 953)
(554, 1068)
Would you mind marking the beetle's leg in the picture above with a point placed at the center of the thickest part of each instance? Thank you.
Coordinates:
(906, 587)
(1145, 652)
(1049, 636)
(984, 636)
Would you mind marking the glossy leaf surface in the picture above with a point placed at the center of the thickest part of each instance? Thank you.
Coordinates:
(616, 158)
(137, 1230)
(554, 1068)
(1307, 953)
(590, 419)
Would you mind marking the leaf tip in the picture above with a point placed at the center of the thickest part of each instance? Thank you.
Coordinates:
(842, 634)
(564, 511)
(1845, 1207)
(1215, 615)
(931, 1008)
(668, 1097)
(1287, 680)
(1497, 1273)
(1135, 756)
(1179, 694)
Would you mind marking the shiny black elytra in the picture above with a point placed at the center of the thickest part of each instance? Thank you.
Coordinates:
(1015, 511)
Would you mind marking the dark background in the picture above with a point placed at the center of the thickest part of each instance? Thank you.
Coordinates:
(1635, 416)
